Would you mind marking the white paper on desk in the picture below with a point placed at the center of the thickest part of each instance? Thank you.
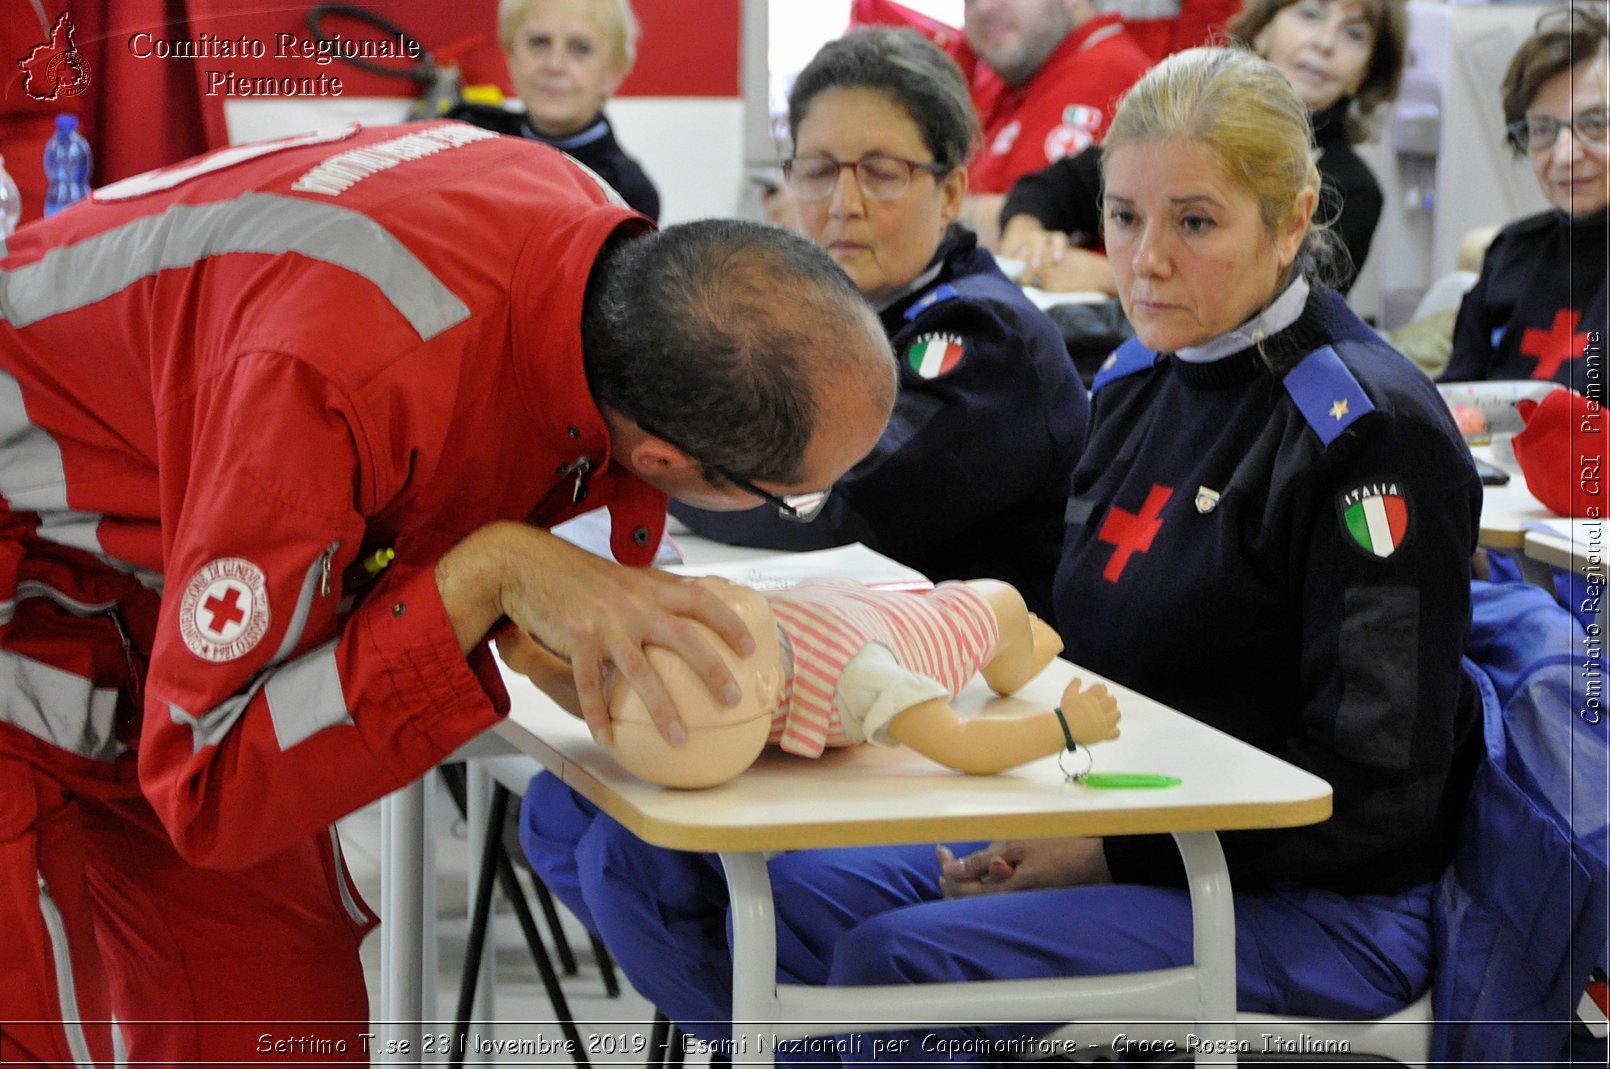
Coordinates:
(1579, 531)
(790, 569)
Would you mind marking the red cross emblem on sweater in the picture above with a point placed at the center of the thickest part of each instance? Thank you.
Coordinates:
(1553, 347)
(1129, 533)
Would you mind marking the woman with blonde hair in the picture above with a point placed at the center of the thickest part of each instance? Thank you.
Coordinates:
(1269, 531)
(566, 59)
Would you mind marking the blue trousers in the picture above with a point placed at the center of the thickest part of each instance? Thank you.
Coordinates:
(874, 915)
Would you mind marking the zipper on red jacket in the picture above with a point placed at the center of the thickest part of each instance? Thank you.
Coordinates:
(580, 468)
(131, 656)
(324, 567)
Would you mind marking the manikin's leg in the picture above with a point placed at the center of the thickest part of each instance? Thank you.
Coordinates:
(1027, 642)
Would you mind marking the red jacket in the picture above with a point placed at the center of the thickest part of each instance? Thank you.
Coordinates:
(1064, 108)
(227, 384)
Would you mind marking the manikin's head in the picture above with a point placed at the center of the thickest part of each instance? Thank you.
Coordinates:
(722, 740)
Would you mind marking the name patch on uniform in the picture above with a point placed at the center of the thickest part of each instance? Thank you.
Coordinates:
(335, 175)
(1375, 517)
(224, 612)
(1075, 133)
(933, 355)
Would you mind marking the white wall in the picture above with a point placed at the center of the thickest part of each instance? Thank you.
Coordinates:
(692, 147)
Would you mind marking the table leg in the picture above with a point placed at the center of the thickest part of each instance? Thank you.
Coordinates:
(478, 786)
(403, 924)
(1213, 924)
(757, 1005)
(754, 957)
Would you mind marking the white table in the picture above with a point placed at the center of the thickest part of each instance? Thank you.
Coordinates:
(1577, 545)
(1515, 521)
(1507, 510)
(778, 805)
(870, 795)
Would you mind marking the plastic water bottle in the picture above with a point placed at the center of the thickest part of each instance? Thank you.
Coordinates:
(67, 162)
(10, 202)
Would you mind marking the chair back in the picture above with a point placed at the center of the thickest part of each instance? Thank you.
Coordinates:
(1520, 918)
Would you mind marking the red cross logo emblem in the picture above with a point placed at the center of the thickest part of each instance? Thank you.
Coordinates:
(1129, 533)
(1553, 347)
(224, 611)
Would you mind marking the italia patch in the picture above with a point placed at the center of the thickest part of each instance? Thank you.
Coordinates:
(224, 612)
(1375, 517)
(933, 355)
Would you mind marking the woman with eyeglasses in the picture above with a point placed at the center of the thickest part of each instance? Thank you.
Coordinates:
(1538, 309)
(970, 476)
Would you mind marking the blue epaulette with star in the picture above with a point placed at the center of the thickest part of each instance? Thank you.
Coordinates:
(1127, 359)
(942, 292)
(1327, 394)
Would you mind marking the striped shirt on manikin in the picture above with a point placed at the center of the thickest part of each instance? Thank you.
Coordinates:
(946, 634)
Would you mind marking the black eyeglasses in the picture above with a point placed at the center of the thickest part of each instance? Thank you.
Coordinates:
(880, 177)
(801, 508)
(1538, 133)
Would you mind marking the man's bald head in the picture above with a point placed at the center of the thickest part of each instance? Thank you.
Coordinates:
(740, 341)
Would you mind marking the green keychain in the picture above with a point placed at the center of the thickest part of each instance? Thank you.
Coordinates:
(1124, 780)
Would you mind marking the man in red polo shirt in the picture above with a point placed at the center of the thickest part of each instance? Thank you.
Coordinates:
(1051, 75)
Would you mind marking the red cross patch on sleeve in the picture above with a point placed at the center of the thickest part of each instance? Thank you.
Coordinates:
(224, 612)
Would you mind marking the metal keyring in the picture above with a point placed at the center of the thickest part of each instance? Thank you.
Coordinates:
(1075, 777)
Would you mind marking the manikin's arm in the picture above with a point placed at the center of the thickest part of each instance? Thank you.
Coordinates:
(982, 745)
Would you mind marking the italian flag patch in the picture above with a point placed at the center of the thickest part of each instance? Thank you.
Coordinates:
(933, 355)
(1376, 517)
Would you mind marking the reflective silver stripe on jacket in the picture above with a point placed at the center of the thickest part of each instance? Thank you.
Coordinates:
(31, 476)
(1140, 10)
(66, 988)
(75, 276)
(305, 697)
(33, 479)
(54, 705)
(349, 901)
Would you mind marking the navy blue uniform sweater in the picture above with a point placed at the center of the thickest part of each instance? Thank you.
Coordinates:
(1215, 560)
(1539, 309)
(594, 145)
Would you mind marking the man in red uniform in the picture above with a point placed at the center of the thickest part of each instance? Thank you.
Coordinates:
(282, 428)
(1050, 77)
